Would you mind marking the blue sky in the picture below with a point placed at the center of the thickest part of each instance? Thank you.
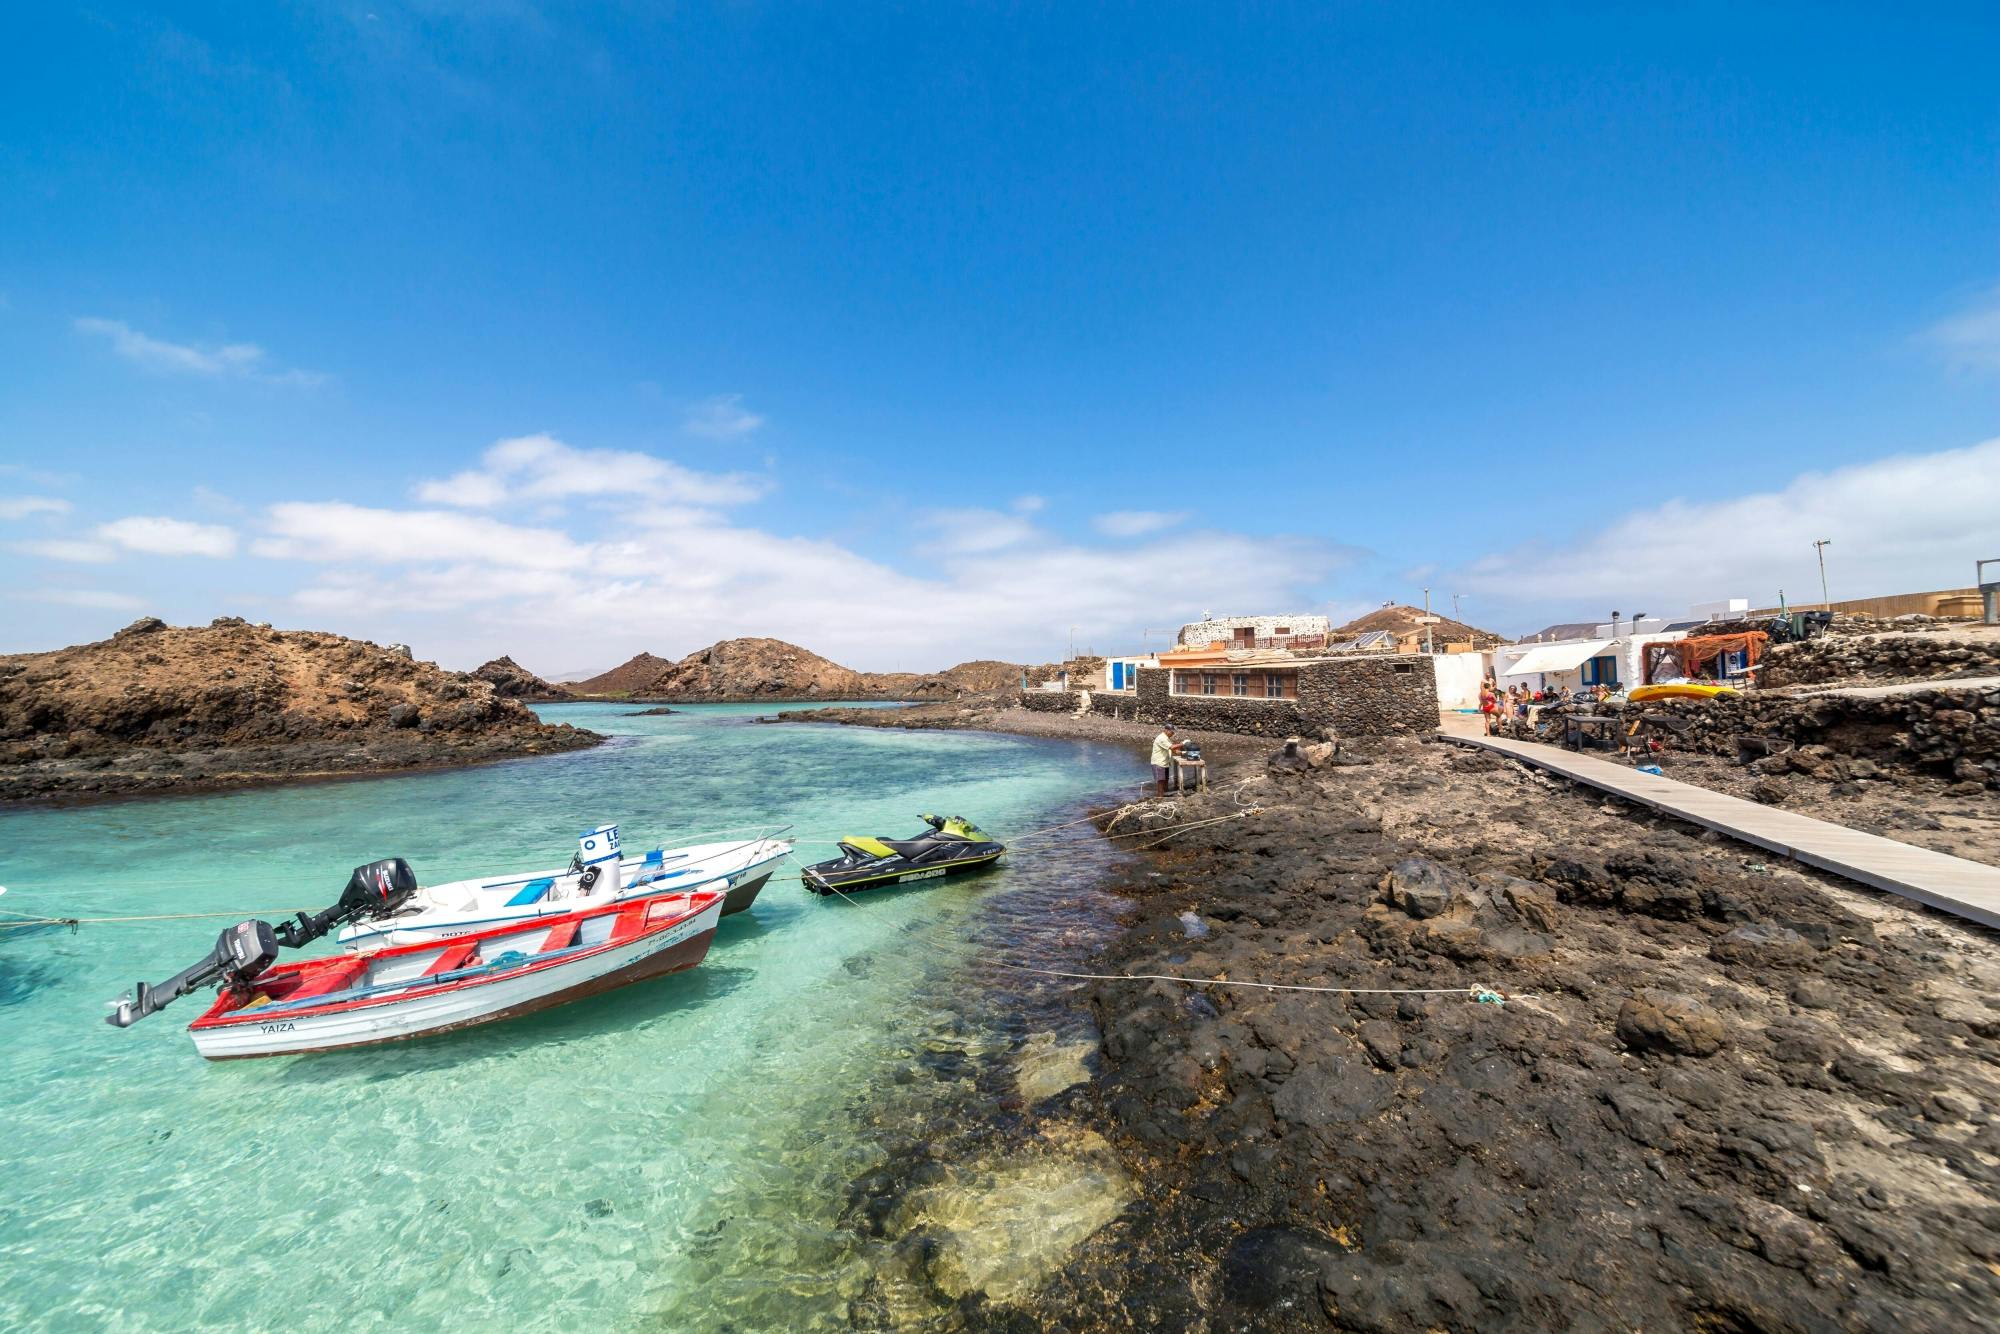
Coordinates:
(918, 333)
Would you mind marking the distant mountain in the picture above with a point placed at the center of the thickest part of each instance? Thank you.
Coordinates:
(758, 669)
(629, 678)
(513, 681)
(1402, 620)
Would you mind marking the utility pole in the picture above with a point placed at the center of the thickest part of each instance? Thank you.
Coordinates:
(1820, 546)
(1454, 608)
(1072, 645)
(1430, 642)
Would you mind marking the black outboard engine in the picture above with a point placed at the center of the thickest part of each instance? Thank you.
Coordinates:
(241, 953)
(245, 950)
(374, 890)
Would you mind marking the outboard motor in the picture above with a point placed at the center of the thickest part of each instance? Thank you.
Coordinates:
(240, 954)
(374, 890)
(245, 950)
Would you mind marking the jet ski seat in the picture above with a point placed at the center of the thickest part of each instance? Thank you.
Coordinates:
(910, 848)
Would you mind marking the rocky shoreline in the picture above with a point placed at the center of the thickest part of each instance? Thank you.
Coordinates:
(163, 709)
(1722, 1093)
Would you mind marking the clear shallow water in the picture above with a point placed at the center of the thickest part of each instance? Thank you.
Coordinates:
(669, 1155)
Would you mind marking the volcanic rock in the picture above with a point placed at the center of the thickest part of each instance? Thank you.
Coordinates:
(157, 707)
(1657, 1020)
(512, 681)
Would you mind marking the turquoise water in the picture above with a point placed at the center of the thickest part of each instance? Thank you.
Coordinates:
(666, 1156)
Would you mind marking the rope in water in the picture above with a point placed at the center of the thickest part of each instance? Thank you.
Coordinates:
(1478, 992)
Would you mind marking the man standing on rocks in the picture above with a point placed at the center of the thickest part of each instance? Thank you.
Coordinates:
(1165, 750)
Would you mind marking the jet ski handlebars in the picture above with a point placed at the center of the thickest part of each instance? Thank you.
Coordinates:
(248, 948)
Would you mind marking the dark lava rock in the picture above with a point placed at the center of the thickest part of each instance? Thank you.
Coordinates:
(1814, 994)
(1769, 791)
(1762, 945)
(1421, 887)
(1331, 1090)
(1666, 1021)
(1276, 1269)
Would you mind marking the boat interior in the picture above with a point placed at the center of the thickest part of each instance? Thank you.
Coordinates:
(343, 978)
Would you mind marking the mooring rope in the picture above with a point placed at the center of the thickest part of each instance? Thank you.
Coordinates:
(1478, 992)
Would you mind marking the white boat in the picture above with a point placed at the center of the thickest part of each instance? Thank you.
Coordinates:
(417, 990)
(600, 873)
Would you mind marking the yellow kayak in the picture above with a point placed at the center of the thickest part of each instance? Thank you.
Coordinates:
(1679, 690)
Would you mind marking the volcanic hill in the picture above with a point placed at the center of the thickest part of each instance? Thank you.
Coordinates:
(510, 680)
(159, 707)
(1402, 620)
(771, 669)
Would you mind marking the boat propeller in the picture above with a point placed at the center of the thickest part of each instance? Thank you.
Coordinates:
(248, 948)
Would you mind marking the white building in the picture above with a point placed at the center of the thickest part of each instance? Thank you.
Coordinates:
(1609, 653)
(1295, 631)
(1122, 673)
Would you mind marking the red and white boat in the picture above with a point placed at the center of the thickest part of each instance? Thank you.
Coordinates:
(412, 991)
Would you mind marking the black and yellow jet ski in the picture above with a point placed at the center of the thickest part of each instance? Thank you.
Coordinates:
(952, 844)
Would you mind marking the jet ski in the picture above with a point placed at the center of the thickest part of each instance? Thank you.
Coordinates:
(951, 844)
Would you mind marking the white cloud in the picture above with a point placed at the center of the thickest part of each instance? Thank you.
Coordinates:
(243, 360)
(974, 531)
(1970, 340)
(543, 468)
(1903, 524)
(84, 597)
(68, 549)
(169, 537)
(337, 532)
(20, 507)
(1030, 504)
(722, 417)
(1137, 523)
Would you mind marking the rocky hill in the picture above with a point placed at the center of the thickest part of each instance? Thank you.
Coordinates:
(625, 681)
(510, 680)
(1400, 620)
(984, 675)
(771, 669)
(158, 707)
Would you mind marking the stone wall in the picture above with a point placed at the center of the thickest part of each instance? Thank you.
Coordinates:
(1893, 657)
(1948, 733)
(1371, 695)
(1215, 713)
(1363, 695)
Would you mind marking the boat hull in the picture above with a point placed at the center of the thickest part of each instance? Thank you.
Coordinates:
(672, 950)
(743, 892)
(740, 884)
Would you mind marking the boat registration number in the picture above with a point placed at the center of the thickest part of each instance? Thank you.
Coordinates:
(925, 875)
(284, 1026)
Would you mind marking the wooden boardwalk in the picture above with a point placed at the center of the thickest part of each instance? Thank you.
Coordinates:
(1969, 889)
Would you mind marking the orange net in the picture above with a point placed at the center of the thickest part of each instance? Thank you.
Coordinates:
(1697, 651)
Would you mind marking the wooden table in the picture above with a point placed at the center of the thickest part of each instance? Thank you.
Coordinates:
(1577, 727)
(1181, 770)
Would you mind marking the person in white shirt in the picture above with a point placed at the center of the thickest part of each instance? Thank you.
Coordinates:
(1165, 748)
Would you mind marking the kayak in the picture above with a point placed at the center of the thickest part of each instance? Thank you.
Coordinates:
(1681, 690)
